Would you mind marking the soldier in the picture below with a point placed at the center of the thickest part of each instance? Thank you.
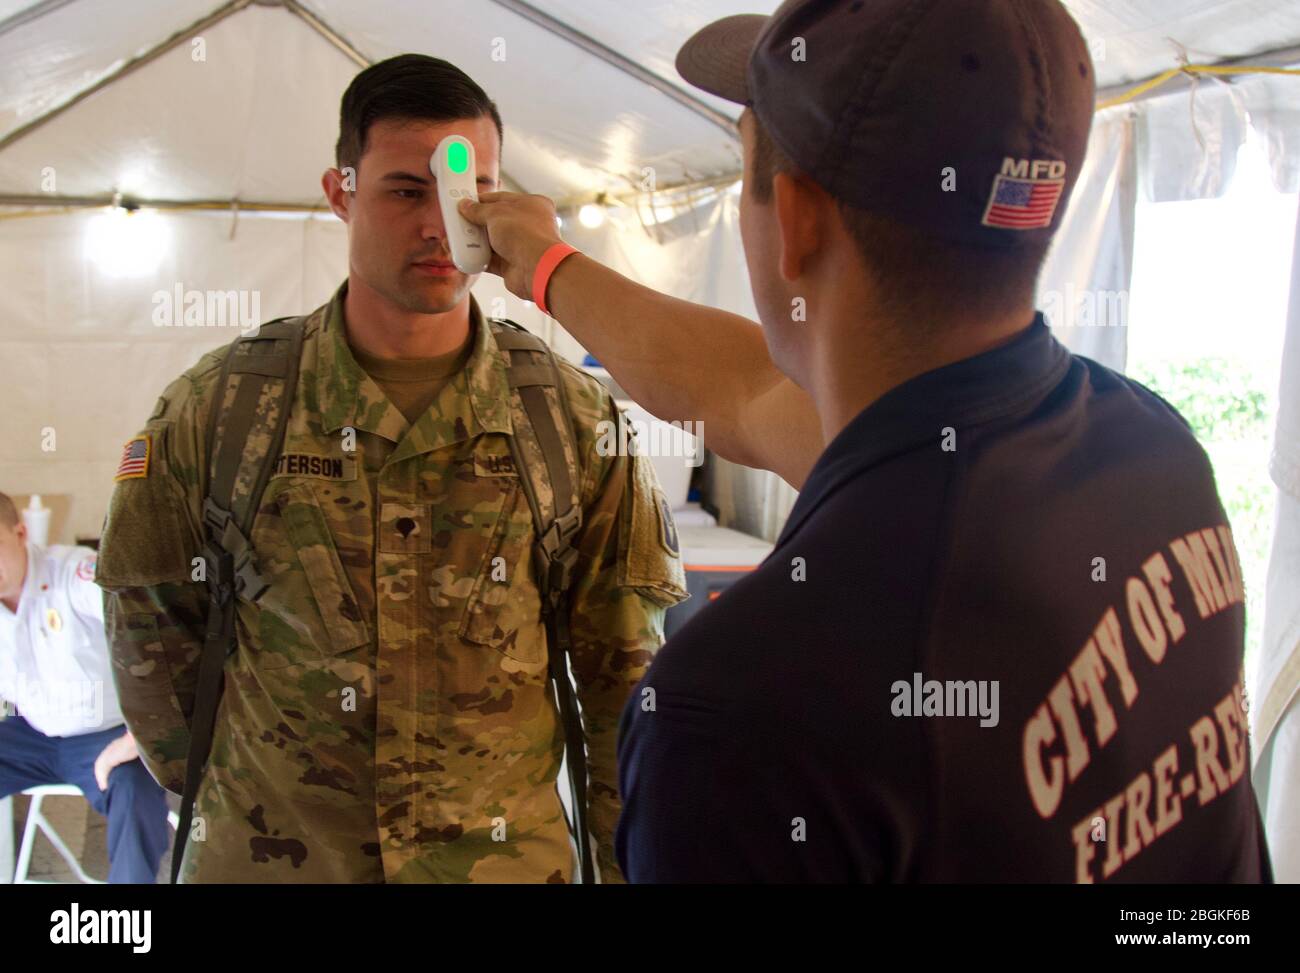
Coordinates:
(386, 714)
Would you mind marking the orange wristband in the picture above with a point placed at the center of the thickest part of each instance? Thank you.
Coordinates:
(545, 267)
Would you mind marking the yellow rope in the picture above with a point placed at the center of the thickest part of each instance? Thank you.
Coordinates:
(1172, 73)
(26, 213)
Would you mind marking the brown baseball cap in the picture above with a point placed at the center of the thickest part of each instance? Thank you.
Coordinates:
(968, 119)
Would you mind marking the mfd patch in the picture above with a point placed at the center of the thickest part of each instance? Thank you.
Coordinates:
(135, 460)
(86, 568)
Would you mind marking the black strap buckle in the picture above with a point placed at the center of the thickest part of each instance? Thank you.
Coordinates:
(556, 558)
(219, 572)
(560, 532)
(225, 540)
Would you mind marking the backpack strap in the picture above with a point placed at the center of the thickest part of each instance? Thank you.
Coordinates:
(246, 426)
(557, 518)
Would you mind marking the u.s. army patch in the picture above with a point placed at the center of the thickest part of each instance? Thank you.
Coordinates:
(667, 528)
(135, 460)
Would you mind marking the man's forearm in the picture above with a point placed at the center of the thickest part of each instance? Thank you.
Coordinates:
(683, 361)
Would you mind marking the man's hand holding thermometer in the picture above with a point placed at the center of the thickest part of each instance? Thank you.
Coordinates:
(526, 247)
(453, 167)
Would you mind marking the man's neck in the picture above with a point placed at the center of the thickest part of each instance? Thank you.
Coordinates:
(381, 328)
(854, 366)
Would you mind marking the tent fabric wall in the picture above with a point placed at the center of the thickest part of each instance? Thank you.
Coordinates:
(1180, 146)
(82, 356)
(1273, 102)
(1188, 142)
(1276, 714)
(1089, 270)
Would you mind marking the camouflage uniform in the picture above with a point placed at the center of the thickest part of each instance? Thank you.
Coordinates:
(387, 715)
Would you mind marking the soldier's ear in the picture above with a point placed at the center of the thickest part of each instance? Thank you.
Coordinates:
(339, 185)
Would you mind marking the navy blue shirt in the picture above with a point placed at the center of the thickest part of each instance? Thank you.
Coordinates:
(999, 639)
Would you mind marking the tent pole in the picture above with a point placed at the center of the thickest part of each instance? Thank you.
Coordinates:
(626, 65)
(155, 52)
(327, 32)
(47, 201)
(34, 12)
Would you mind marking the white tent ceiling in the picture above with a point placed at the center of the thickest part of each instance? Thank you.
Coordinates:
(587, 88)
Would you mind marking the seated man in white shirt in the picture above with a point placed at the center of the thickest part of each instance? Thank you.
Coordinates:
(68, 728)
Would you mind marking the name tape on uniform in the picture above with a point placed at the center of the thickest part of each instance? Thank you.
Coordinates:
(321, 467)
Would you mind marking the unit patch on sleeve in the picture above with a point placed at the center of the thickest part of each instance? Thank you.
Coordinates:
(667, 528)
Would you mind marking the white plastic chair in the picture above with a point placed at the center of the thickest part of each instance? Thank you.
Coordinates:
(35, 820)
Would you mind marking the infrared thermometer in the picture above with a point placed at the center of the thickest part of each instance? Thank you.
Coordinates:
(452, 165)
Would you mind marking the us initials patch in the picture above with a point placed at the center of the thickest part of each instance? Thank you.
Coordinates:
(495, 466)
(135, 460)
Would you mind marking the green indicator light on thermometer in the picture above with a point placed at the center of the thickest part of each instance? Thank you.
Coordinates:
(457, 157)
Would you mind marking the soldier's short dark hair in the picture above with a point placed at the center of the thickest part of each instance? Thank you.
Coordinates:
(414, 87)
(8, 512)
(919, 275)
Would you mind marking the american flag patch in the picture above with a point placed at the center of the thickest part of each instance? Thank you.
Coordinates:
(135, 460)
(1023, 204)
